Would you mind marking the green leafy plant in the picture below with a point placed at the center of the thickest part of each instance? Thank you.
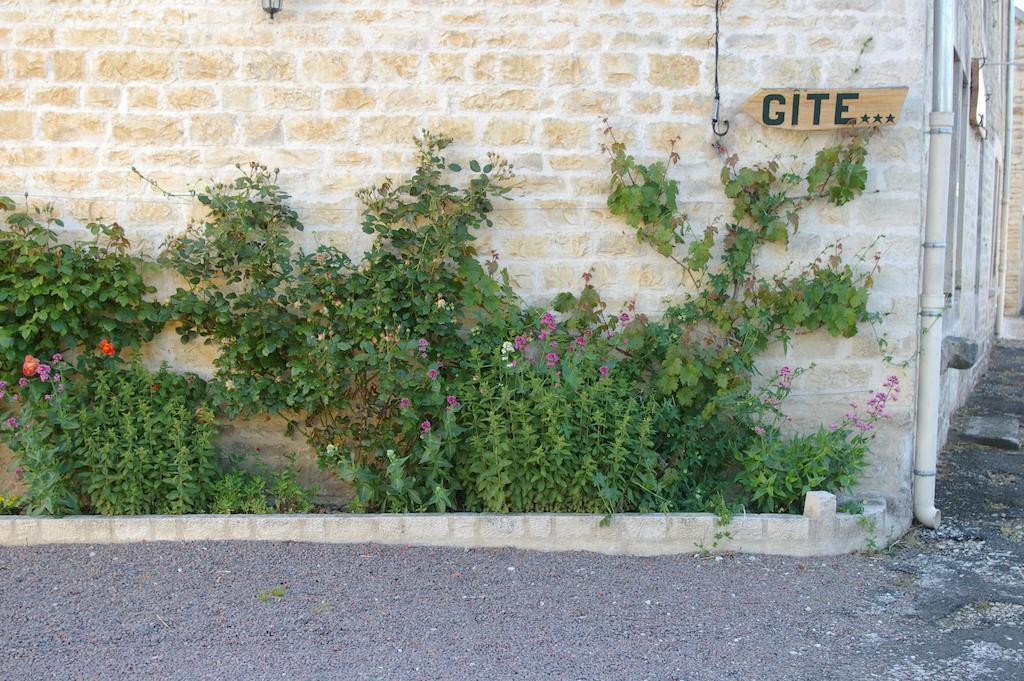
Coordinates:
(776, 471)
(264, 490)
(126, 441)
(62, 296)
(333, 345)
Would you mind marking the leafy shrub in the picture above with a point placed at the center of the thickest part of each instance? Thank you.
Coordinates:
(263, 491)
(551, 425)
(65, 296)
(776, 471)
(333, 345)
(126, 441)
(146, 441)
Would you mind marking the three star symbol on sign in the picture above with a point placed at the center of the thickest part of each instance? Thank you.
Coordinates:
(877, 118)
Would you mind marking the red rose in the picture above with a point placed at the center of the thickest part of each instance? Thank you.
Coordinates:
(29, 366)
(107, 348)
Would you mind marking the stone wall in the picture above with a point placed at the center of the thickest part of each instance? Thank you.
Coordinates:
(1013, 303)
(332, 92)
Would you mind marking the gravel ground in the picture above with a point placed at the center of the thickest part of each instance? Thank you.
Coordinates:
(946, 604)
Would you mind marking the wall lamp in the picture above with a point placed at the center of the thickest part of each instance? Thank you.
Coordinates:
(272, 7)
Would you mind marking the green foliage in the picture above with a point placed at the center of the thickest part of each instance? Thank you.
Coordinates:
(551, 424)
(146, 441)
(265, 490)
(124, 442)
(59, 296)
(777, 470)
(334, 345)
(417, 373)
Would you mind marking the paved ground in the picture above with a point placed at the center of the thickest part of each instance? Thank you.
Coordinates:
(946, 604)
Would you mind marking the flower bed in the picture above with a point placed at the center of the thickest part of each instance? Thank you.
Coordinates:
(417, 374)
(819, 531)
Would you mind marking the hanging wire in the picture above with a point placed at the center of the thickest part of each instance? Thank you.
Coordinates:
(717, 107)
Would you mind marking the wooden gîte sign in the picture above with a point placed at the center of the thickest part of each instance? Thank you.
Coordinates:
(827, 109)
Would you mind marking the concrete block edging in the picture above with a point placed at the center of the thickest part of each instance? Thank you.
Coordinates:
(819, 531)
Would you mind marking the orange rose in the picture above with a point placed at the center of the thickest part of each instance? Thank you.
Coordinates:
(29, 366)
(107, 348)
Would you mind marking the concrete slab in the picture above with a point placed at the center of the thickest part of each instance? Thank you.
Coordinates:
(1002, 432)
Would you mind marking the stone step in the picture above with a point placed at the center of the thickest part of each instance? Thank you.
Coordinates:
(1001, 432)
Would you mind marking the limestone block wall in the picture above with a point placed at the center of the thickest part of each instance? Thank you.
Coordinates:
(332, 92)
(1013, 303)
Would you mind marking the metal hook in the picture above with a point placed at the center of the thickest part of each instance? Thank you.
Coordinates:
(715, 119)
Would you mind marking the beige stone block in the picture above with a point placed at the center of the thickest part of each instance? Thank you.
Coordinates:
(502, 100)
(570, 526)
(130, 529)
(411, 98)
(563, 134)
(461, 128)
(269, 65)
(518, 68)
(125, 66)
(71, 127)
(315, 129)
(163, 36)
(12, 93)
(620, 68)
(25, 531)
(89, 36)
(395, 65)
(421, 528)
(33, 36)
(102, 96)
(238, 98)
(646, 102)
(68, 64)
(212, 128)
(289, 98)
(147, 129)
(570, 70)
(443, 67)
(590, 101)
(675, 71)
(507, 132)
(742, 529)
(325, 66)
(779, 528)
(262, 130)
(191, 98)
(391, 529)
(692, 529)
(163, 528)
(350, 99)
(457, 39)
(18, 156)
(277, 527)
(78, 157)
(819, 505)
(494, 527)
(539, 526)
(16, 125)
(207, 65)
(28, 64)
(351, 528)
(388, 129)
(7, 530)
(643, 527)
(463, 526)
(143, 97)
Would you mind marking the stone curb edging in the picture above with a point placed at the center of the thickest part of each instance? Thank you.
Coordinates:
(819, 531)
